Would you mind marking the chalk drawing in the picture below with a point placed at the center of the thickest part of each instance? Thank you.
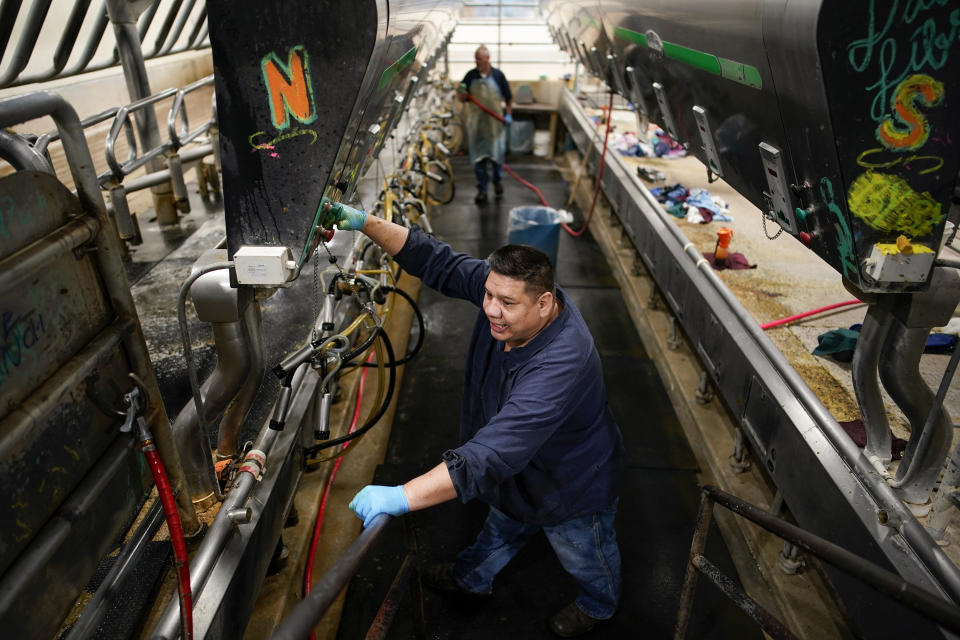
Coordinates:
(908, 129)
(289, 88)
(21, 334)
(258, 144)
(930, 163)
(848, 259)
(889, 61)
(888, 203)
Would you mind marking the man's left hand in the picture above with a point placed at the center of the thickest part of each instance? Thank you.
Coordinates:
(508, 119)
(375, 499)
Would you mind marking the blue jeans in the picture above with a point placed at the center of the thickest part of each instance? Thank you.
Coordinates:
(586, 547)
(480, 169)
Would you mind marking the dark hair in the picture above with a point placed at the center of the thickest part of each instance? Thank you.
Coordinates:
(526, 263)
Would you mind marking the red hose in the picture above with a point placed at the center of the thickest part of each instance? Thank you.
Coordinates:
(596, 190)
(308, 573)
(777, 323)
(176, 536)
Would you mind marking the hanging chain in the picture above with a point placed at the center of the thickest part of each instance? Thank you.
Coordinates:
(316, 294)
(767, 216)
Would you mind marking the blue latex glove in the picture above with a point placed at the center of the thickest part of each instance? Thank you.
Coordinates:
(508, 119)
(346, 218)
(374, 499)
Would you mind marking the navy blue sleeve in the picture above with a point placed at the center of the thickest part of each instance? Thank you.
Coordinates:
(472, 75)
(450, 272)
(543, 396)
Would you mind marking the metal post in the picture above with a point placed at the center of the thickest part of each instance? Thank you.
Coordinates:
(123, 17)
(767, 621)
(704, 515)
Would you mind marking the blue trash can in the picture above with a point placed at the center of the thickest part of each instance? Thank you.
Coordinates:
(536, 226)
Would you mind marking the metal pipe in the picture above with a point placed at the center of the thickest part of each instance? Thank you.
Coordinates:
(28, 38)
(205, 559)
(767, 621)
(86, 626)
(121, 123)
(184, 136)
(159, 177)
(218, 390)
(39, 254)
(697, 546)
(308, 613)
(931, 430)
(21, 155)
(382, 622)
(925, 602)
(951, 478)
(227, 442)
(123, 17)
(866, 385)
(108, 256)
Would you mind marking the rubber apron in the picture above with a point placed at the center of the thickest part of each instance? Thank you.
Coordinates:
(487, 135)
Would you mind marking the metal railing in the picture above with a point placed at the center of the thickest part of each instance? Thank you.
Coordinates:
(926, 603)
(308, 613)
(180, 26)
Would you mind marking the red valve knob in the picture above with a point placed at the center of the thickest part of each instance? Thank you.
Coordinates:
(805, 238)
(327, 235)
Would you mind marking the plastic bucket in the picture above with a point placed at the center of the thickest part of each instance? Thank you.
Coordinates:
(536, 226)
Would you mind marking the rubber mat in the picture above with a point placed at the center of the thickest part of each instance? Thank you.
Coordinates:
(657, 508)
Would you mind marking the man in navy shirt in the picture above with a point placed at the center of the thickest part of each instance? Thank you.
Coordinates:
(485, 134)
(539, 444)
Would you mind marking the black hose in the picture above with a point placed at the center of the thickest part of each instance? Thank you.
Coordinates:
(391, 367)
(419, 343)
(347, 357)
(363, 254)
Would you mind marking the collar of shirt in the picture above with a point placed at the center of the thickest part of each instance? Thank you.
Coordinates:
(519, 355)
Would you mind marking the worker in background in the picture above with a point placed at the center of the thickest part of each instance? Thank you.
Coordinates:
(486, 135)
(539, 444)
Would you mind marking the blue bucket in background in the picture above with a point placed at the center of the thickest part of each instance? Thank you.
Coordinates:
(536, 226)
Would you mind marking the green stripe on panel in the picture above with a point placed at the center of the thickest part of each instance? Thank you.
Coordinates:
(742, 73)
(631, 36)
(698, 59)
(402, 63)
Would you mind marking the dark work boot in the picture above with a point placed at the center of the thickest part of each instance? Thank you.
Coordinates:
(570, 622)
(498, 188)
(481, 197)
(439, 576)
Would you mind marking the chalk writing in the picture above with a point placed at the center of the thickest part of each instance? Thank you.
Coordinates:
(289, 88)
(12, 215)
(888, 203)
(930, 163)
(848, 260)
(271, 144)
(928, 47)
(908, 129)
(21, 333)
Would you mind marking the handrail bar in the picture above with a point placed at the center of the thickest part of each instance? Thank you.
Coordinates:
(184, 136)
(308, 613)
(122, 122)
(921, 600)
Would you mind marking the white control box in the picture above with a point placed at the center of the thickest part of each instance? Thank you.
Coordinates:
(264, 266)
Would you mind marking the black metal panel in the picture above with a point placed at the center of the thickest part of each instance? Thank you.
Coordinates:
(856, 98)
(39, 589)
(306, 95)
(286, 79)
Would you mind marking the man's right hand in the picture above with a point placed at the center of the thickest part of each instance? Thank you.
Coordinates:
(346, 218)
